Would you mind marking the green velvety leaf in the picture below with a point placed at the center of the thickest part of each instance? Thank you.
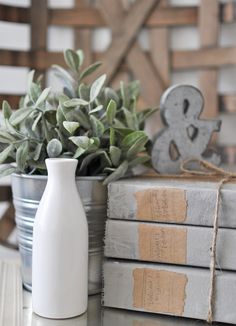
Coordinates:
(98, 108)
(133, 105)
(43, 96)
(123, 131)
(146, 114)
(7, 169)
(60, 117)
(28, 128)
(75, 102)
(72, 59)
(50, 116)
(80, 54)
(82, 141)
(131, 119)
(80, 151)
(71, 113)
(123, 94)
(30, 79)
(131, 138)
(106, 162)
(64, 73)
(39, 165)
(36, 121)
(90, 70)
(83, 120)
(96, 87)
(65, 78)
(5, 153)
(129, 93)
(35, 91)
(68, 92)
(84, 91)
(6, 110)
(48, 131)
(21, 156)
(97, 126)
(23, 100)
(118, 173)
(115, 154)
(37, 152)
(13, 131)
(110, 94)
(71, 126)
(118, 124)
(139, 160)
(109, 170)
(63, 110)
(137, 147)
(112, 137)
(6, 137)
(67, 155)
(39, 79)
(89, 158)
(20, 115)
(54, 148)
(63, 98)
(134, 88)
(111, 111)
(94, 145)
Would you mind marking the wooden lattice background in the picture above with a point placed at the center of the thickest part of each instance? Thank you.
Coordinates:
(124, 59)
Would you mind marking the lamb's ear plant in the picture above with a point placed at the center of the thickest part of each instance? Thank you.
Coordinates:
(90, 122)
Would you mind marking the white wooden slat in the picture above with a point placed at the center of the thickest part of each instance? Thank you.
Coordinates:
(11, 307)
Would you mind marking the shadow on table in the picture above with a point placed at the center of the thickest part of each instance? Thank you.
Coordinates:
(97, 316)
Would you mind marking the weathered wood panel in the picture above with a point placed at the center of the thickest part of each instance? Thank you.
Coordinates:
(122, 41)
(203, 58)
(39, 24)
(125, 59)
(14, 14)
(92, 18)
(208, 29)
(83, 37)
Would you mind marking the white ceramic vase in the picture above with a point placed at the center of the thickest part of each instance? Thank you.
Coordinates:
(60, 246)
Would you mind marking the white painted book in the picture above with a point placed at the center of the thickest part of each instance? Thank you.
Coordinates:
(168, 289)
(169, 243)
(168, 200)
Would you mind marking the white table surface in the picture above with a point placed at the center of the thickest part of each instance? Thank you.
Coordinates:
(98, 316)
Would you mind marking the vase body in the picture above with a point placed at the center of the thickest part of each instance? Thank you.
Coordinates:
(60, 246)
(27, 193)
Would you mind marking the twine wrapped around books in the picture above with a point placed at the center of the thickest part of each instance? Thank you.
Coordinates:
(210, 170)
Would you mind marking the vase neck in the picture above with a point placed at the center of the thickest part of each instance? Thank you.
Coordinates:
(61, 169)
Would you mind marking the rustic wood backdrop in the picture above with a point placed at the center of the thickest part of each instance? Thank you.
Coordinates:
(125, 59)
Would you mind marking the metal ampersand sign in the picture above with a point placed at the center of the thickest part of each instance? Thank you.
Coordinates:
(185, 135)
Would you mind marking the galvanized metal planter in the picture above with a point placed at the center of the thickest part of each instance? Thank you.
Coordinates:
(27, 192)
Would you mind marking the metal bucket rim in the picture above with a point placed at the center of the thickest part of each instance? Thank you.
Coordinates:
(44, 177)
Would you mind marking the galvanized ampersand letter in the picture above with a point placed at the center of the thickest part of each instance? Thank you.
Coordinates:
(185, 135)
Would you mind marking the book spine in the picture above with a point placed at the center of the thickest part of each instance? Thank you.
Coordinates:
(172, 244)
(170, 290)
(179, 203)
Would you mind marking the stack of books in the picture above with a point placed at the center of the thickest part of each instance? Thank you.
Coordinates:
(158, 247)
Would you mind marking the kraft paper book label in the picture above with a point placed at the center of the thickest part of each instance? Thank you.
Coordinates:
(162, 244)
(159, 291)
(162, 204)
